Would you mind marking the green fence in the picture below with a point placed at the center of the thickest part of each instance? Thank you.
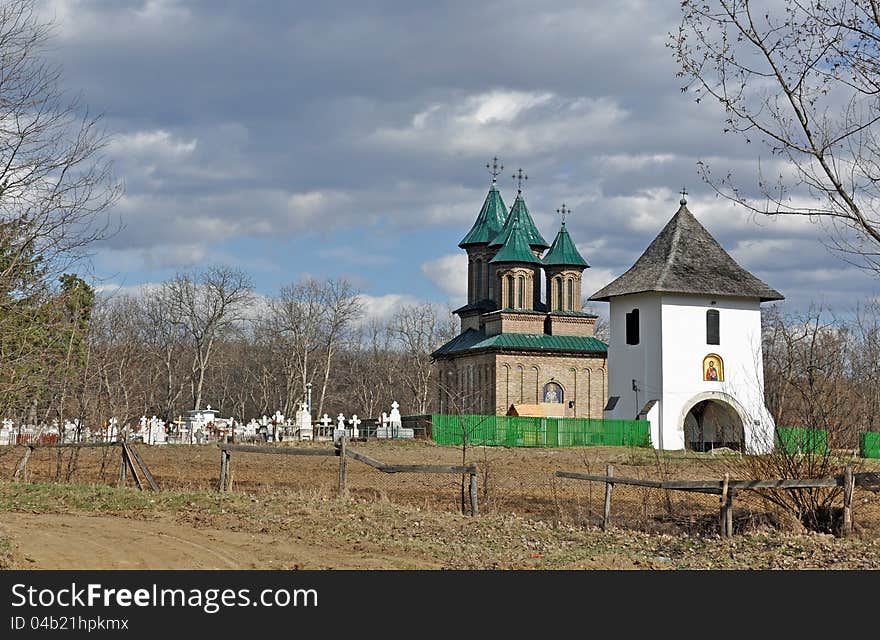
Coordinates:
(869, 445)
(798, 440)
(518, 431)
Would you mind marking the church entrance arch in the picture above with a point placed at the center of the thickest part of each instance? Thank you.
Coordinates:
(711, 421)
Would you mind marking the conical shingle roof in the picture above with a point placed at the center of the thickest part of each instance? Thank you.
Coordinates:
(563, 251)
(489, 221)
(520, 212)
(685, 258)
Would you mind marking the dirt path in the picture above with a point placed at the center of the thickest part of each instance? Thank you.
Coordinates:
(58, 541)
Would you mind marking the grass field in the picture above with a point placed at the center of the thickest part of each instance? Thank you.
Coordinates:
(283, 513)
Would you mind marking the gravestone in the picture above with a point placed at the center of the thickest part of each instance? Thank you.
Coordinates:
(340, 431)
(304, 422)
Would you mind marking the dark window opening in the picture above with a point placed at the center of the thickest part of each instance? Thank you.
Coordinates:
(713, 327)
(632, 327)
(612, 403)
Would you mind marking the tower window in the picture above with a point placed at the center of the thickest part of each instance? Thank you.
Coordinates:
(510, 301)
(569, 284)
(632, 327)
(520, 292)
(558, 282)
(713, 327)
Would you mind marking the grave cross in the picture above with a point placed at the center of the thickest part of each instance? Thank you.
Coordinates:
(340, 421)
(325, 421)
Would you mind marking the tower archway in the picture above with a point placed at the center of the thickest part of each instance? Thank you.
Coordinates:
(713, 420)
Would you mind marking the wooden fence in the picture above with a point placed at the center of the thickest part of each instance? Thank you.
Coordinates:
(130, 462)
(727, 489)
(342, 451)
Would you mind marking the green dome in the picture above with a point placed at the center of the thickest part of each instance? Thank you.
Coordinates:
(489, 222)
(520, 213)
(517, 248)
(563, 252)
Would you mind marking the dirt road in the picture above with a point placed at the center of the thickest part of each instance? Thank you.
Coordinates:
(56, 541)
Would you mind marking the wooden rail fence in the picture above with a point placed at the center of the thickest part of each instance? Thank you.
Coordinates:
(130, 462)
(344, 453)
(727, 490)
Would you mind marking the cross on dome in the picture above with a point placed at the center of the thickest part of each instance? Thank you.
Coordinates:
(495, 169)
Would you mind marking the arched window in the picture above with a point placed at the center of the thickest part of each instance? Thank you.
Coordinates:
(558, 285)
(478, 280)
(713, 327)
(510, 300)
(569, 293)
(632, 327)
(520, 292)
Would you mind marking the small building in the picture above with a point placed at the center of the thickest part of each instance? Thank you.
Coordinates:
(685, 350)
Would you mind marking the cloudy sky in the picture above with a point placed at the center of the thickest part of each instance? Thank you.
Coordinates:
(349, 139)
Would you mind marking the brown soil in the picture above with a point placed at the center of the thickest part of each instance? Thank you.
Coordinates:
(63, 541)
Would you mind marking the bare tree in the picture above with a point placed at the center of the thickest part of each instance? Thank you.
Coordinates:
(803, 78)
(56, 190)
(419, 330)
(205, 304)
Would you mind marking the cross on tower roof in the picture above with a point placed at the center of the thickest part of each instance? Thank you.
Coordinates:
(495, 169)
(684, 193)
(520, 177)
(563, 211)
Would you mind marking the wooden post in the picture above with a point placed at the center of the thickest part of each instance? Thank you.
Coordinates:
(725, 516)
(224, 470)
(847, 501)
(340, 491)
(472, 489)
(123, 467)
(21, 470)
(609, 487)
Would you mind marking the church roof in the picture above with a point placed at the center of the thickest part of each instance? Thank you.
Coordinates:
(489, 221)
(516, 247)
(563, 251)
(685, 258)
(519, 212)
(473, 340)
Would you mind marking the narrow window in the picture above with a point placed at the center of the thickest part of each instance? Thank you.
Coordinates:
(509, 291)
(632, 327)
(713, 327)
(570, 293)
(520, 292)
(558, 283)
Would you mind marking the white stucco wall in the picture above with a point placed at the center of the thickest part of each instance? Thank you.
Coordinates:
(667, 364)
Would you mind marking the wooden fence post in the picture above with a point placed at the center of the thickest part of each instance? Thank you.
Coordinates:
(340, 491)
(472, 489)
(609, 487)
(847, 501)
(21, 470)
(726, 513)
(225, 458)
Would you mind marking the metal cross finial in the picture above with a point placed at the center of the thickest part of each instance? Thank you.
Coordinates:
(495, 169)
(520, 177)
(563, 211)
(684, 193)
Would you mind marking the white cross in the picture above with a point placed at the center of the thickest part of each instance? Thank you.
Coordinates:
(354, 422)
(394, 405)
(340, 421)
(325, 421)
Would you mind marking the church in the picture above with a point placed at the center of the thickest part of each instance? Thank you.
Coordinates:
(525, 339)
(685, 349)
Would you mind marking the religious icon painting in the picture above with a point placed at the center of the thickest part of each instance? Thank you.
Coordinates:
(713, 368)
(552, 392)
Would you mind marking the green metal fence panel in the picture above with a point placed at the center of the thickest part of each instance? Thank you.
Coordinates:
(520, 431)
(794, 440)
(869, 444)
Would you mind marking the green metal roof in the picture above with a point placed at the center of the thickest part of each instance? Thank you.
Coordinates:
(563, 251)
(490, 220)
(516, 248)
(472, 340)
(520, 212)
